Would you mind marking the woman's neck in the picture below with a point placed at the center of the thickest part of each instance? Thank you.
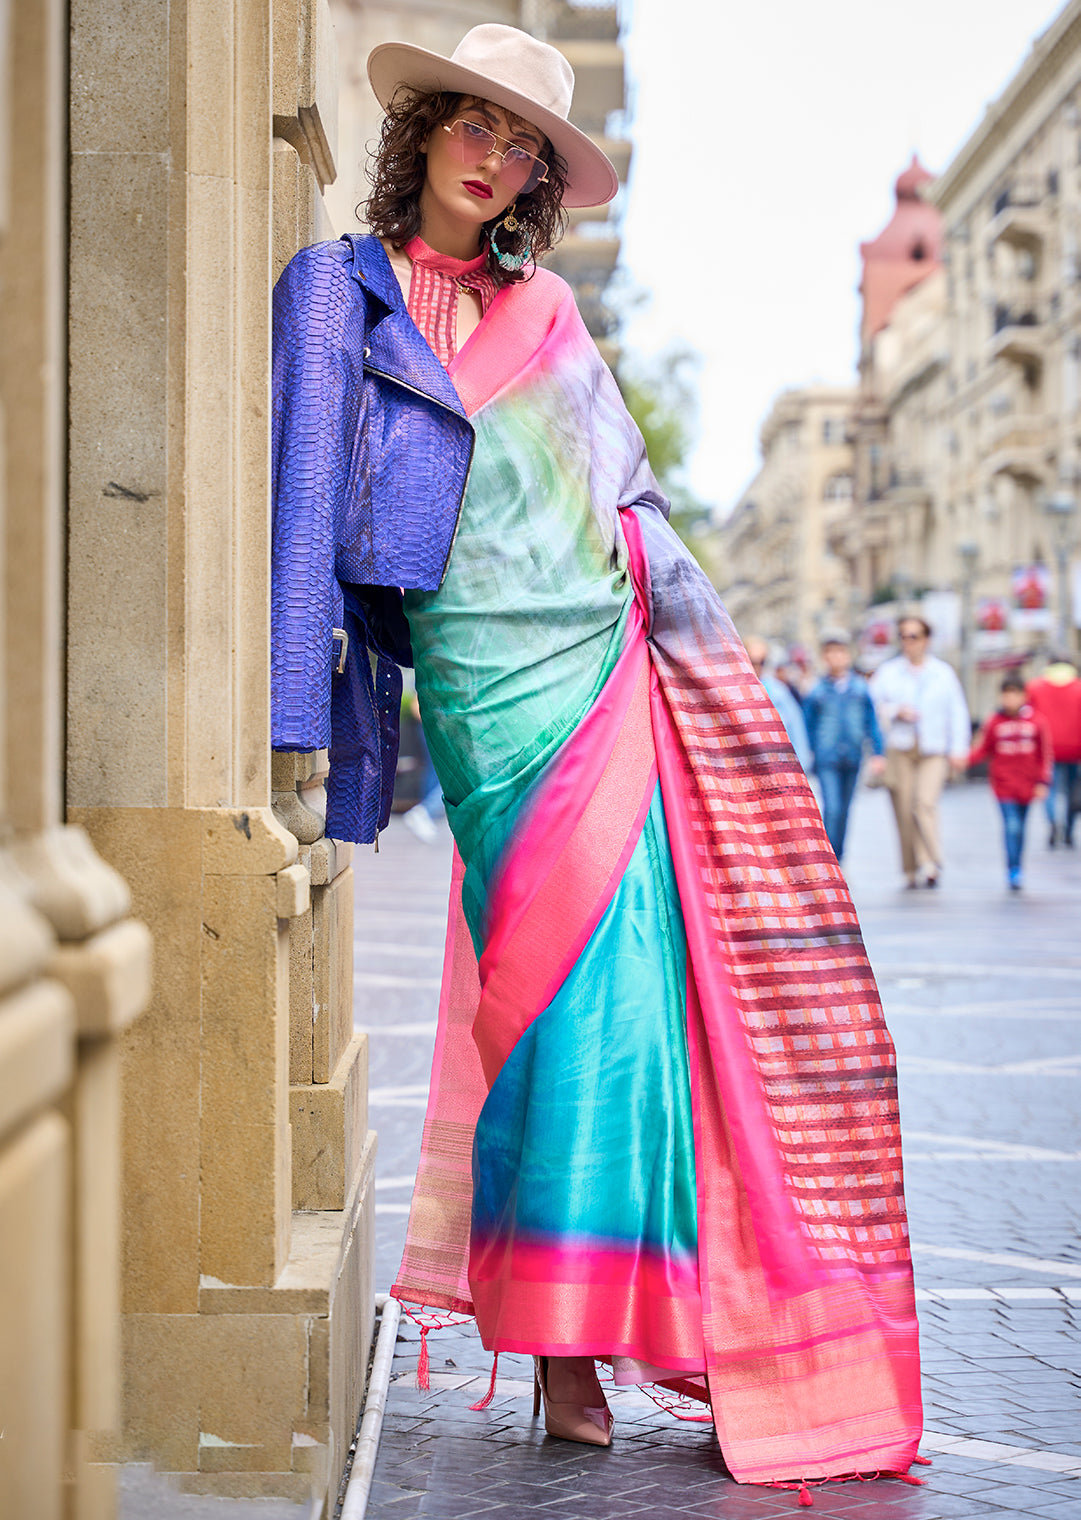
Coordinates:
(445, 234)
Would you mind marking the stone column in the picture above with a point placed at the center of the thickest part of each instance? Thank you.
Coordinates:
(74, 968)
(247, 1291)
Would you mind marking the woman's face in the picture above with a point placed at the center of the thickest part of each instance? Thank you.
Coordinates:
(466, 195)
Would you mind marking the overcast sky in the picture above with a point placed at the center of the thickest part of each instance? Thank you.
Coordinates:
(768, 135)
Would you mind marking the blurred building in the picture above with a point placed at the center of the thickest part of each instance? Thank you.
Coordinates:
(779, 577)
(1011, 205)
(898, 334)
(585, 31)
(968, 428)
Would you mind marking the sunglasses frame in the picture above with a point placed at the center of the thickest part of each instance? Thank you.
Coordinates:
(464, 121)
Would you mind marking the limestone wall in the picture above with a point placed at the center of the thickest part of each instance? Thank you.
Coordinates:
(74, 966)
(185, 1165)
(247, 1162)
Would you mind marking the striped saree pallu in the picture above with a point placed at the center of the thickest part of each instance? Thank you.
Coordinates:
(787, 1300)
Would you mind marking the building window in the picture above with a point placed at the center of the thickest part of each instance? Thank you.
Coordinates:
(833, 430)
(838, 488)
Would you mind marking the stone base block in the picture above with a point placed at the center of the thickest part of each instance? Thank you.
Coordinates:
(91, 1494)
(332, 989)
(258, 1394)
(330, 1121)
(34, 1183)
(243, 1485)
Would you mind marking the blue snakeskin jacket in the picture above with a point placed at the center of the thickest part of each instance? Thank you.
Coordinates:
(371, 454)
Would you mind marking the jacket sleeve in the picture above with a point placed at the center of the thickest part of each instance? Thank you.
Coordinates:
(871, 724)
(316, 402)
(1047, 751)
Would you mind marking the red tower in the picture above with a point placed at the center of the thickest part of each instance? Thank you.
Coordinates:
(905, 252)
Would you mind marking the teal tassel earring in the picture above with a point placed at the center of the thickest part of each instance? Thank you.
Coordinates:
(509, 260)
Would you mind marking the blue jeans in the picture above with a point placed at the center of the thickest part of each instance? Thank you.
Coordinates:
(1063, 781)
(838, 783)
(1013, 827)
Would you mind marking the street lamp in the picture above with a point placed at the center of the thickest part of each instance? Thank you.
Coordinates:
(969, 552)
(1060, 507)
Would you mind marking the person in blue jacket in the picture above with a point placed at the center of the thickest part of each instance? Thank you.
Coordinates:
(841, 726)
(787, 706)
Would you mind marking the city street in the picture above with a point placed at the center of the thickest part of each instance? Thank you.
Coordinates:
(983, 994)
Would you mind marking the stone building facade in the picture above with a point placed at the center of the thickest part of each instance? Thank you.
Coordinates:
(74, 962)
(776, 573)
(186, 1194)
(969, 435)
(888, 475)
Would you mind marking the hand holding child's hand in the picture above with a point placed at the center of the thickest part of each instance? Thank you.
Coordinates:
(1039, 791)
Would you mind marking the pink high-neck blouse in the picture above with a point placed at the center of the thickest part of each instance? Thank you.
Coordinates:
(434, 287)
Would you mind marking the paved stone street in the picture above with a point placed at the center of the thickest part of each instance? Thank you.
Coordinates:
(983, 994)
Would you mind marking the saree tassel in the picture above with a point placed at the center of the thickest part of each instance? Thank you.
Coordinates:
(923, 1461)
(490, 1395)
(911, 1478)
(423, 1365)
(805, 1495)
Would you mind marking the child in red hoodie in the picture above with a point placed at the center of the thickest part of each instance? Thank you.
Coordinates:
(1016, 741)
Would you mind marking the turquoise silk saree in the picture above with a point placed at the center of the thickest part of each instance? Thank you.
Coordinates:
(662, 1123)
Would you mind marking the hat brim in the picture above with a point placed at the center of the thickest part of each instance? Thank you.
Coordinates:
(591, 177)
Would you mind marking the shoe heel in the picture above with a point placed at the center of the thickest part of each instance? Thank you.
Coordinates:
(536, 1387)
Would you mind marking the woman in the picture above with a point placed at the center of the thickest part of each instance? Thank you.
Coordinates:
(662, 1130)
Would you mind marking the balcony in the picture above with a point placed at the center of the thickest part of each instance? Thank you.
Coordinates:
(908, 488)
(1018, 331)
(1019, 449)
(584, 260)
(598, 80)
(618, 149)
(1020, 216)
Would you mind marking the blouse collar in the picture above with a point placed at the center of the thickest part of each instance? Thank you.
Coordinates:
(417, 250)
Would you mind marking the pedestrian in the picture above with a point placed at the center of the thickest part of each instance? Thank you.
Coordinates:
(793, 670)
(1016, 741)
(1056, 696)
(841, 727)
(624, 1155)
(780, 694)
(924, 718)
(423, 818)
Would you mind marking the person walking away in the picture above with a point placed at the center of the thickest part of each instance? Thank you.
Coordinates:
(1056, 696)
(841, 725)
(788, 708)
(423, 819)
(924, 716)
(1016, 741)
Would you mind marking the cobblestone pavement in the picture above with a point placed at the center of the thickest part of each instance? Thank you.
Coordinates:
(983, 995)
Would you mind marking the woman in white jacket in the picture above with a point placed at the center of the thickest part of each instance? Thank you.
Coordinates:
(924, 718)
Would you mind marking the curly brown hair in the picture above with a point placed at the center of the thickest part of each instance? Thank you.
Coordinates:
(397, 171)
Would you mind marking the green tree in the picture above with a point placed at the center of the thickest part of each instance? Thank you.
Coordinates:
(661, 395)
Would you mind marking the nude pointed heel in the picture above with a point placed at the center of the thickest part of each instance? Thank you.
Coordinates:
(570, 1422)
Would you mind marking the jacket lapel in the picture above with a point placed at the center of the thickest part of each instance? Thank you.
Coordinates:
(393, 344)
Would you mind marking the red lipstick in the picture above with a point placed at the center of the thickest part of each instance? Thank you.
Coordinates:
(478, 188)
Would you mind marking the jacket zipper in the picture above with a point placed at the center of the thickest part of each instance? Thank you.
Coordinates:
(371, 369)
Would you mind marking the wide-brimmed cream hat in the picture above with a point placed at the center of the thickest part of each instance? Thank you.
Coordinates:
(515, 71)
